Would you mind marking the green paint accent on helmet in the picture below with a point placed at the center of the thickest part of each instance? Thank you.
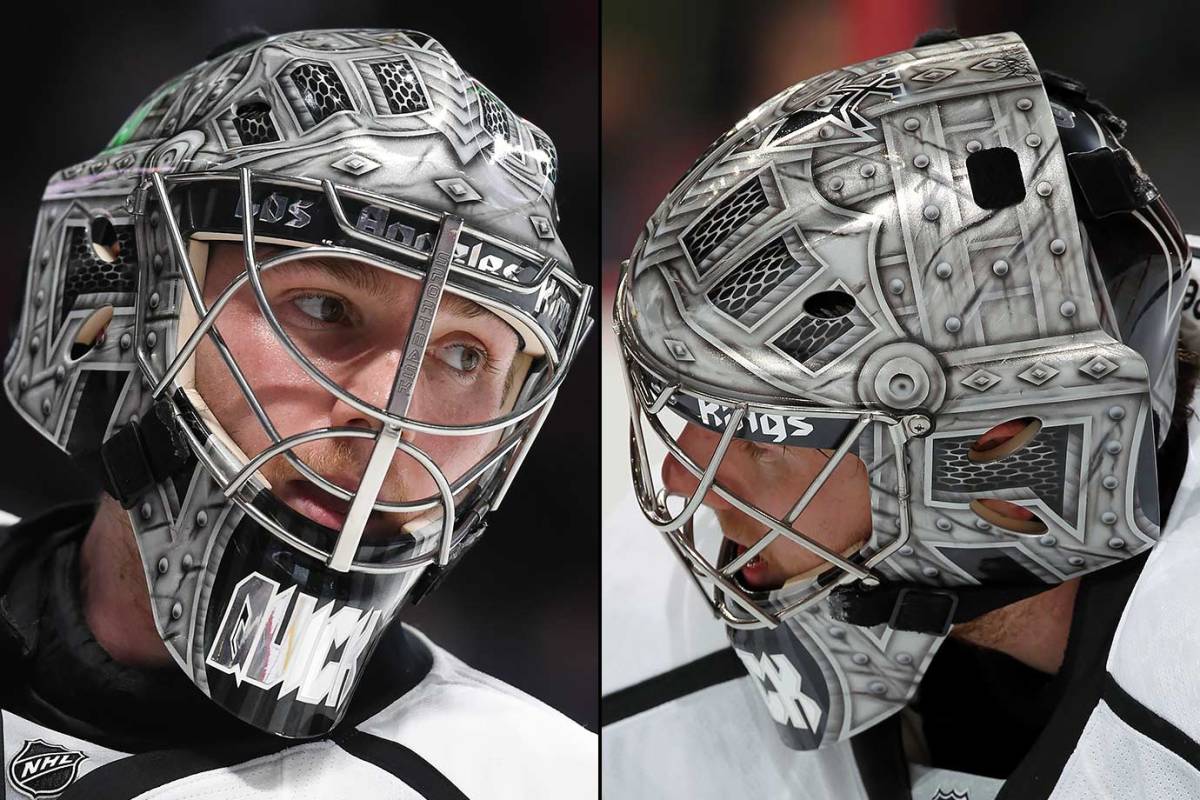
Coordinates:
(125, 133)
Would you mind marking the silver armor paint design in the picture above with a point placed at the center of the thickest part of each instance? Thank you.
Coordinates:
(927, 192)
(372, 142)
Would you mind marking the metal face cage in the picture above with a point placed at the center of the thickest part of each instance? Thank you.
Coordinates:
(653, 397)
(545, 303)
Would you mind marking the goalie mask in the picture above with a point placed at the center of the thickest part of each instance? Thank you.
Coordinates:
(342, 215)
(870, 278)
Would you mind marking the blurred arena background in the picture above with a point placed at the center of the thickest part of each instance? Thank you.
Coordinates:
(523, 605)
(677, 74)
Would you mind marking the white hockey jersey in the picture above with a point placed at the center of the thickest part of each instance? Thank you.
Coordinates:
(457, 734)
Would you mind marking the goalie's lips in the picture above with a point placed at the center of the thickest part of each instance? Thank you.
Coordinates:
(328, 511)
(756, 573)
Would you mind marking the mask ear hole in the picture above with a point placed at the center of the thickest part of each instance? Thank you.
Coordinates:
(104, 240)
(833, 304)
(1009, 516)
(91, 332)
(1004, 440)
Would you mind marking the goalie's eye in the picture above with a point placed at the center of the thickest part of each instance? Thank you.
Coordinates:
(324, 308)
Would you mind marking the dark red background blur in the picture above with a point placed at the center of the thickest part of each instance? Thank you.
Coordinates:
(523, 604)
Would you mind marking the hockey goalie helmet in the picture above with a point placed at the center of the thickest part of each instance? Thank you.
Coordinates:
(342, 215)
(889, 263)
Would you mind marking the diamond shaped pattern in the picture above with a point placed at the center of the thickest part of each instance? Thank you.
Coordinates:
(355, 164)
(933, 75)
(679, 350)
(1098, 367)
(1037, 374)
(981, 380)
(459, 190)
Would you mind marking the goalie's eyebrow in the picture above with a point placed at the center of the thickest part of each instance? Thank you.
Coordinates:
(376, 281)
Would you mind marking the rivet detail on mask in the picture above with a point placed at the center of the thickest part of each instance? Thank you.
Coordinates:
(860, 659)
(944, 270)
(943, 524)
(154, 300)
(1024, 104)
(1067, 309)
(1116, 412)
(877, 687)
(906, 550)
(867, 170)
(836, 183)
(1110, 482)
(23, 382)
(1000, 268)
(163, 565)
(157, 261)
(39, 298)
(920, 161)
(201, 518)
(1058, 247)
(1108, 517)
(147, 511)
(825, 132)
(836, 632)
(151, 340)
(932, 213)
(896, 286)
(1075, 561)
(903, 658)
(1116, 544)
(953, 324)
(1112, 448)
(35, 344)
(911, 124)
(176, 610)
(60, 373)
(125, 341)
(1048, 541)
(1045, 189)
(46, 407)
(930, 572)
(154, 219)
(1033, 140)
(187, 561)
(981, 525)
(974, 146)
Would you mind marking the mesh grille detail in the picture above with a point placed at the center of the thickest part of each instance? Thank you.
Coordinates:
(810, 335)
(88, 274)
(1039, 466)
(723, 219)
(253, 124)
(494, 116)
(753, 279)
(321, 90)
(400, 86)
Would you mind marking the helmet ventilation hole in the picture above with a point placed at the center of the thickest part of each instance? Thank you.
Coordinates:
(833, 304)
(1008, 516)
(1004, 439)
(104, 240)
(91, 332)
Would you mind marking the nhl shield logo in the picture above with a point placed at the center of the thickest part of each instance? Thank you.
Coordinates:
(42, 769)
